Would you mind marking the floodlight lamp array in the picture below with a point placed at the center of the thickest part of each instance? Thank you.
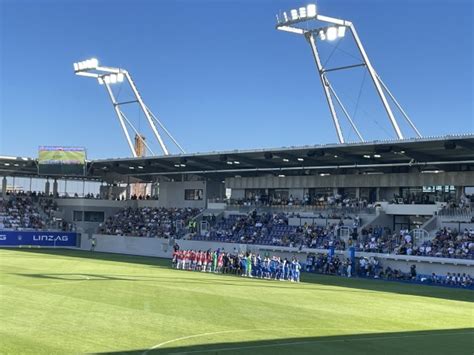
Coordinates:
(111, 78)
(332, 33)
(88, 64)
(303, 13)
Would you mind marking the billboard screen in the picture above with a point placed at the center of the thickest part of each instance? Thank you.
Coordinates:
(61, 160)
(39, 238)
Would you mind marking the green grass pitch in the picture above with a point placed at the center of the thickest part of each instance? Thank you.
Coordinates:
(70, 302)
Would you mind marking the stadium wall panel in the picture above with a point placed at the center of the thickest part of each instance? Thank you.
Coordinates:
(464, 178)
(172, 194)
(9, 238)
(409, 209)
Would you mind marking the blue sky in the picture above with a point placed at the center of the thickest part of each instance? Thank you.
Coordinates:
(220, 76)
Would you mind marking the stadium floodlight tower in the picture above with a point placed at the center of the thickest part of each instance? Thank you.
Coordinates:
(327, 28)
(108, 76)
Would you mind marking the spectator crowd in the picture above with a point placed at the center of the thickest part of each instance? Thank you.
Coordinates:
(323, 201)
(273, 229)
(19, 212)
(447, 243)
(150, 222)
(30, 211)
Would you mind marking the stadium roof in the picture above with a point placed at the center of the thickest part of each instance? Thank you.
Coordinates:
(444, 153)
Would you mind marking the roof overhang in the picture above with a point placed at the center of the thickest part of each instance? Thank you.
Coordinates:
(447, 153)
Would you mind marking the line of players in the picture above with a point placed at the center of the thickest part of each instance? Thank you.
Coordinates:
(248, 264)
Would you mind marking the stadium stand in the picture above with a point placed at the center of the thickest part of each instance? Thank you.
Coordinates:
(273, 229)
(30, 211)
(150, 222)
(447, 243)
(322, 202)
(20, 212)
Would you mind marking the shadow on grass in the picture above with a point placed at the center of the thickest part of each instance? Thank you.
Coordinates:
(173, 280)
(78, 253)
(307, 278)
(452, 341)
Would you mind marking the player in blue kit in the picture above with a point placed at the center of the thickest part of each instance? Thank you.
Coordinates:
(243, 265)
(297, 271)
(292, 268)
(265, 267)
(274, 266)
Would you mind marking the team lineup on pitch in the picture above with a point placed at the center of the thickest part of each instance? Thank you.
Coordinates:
(243, 264)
